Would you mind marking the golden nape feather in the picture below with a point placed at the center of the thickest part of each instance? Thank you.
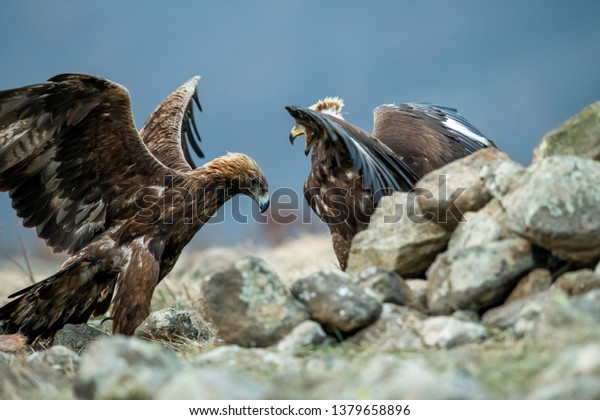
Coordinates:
(331, 105)
(79, 172)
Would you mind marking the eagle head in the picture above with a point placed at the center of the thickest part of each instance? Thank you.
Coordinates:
(331, 105)
(242, 175)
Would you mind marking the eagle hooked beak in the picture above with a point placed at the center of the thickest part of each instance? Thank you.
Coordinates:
(296, 132)
(263, 200)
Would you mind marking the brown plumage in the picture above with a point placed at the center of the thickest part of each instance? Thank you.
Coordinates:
(122, 204)
(352, 169)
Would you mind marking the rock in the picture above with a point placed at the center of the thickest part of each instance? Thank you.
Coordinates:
(225, 384)
(38, 383)
(557, 207)
(419, 289)
(58, 358)
(579, 136)
(249, 359)
(12, 343)
(448, 331)
(575, 375)
(398, 239)
(394, 330)
(578, 282)
(76, 336)
(123, 367)
(482, 227)
(305, 336)
(522, 315)
(335, 302)
(502, 178)
(385, 377)
(387, 286)
(537, 280)
(249, 304)
(173, 325)
(454, 189)
(476, 277)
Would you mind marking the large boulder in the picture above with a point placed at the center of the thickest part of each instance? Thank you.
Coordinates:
(556, 207)
(578, 136)
(249, 304)
(477, 277)
(399, 238)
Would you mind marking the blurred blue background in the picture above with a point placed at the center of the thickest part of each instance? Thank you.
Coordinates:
(514, 69)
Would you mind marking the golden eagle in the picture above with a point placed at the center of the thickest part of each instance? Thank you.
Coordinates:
(123, 204)
(352, 169)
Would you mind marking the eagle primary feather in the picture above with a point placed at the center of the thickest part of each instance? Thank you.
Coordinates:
(122, 204)
(352, 169)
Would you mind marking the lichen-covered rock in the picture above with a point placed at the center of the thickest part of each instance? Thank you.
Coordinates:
(557, 207)
(537, 280)
(335, 302)
(481, 227)
(249, 359)
(58, 358)
(172, 325)
(394, 330)
(476, 277)
(305, 336)
(580, 136)
(502, 178)
(448, 331)
(578, 282)
(399, 238)
(249, 304)
(454, 189)
(122, 367)
(77, 336)
(574, 375)
(387, 286)
(419, 288)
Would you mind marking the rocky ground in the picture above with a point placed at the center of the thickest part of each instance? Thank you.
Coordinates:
(482, 283)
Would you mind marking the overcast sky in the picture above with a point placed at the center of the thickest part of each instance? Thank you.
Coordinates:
(514, 69)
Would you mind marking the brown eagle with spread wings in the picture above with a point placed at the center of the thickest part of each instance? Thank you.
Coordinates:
(352, 169)
(123, 204)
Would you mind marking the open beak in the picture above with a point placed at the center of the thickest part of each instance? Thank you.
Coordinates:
(296, 132)
(263, 200)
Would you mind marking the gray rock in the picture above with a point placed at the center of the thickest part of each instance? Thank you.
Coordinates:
(77, 336)
(173, 325)
(579, 136)
(394, 330)
(122, 367)
(557, 207)
(335, 302)
(481, 227)
(305, 336)
(523, 315)
(502, 178)
(476, 277)
(578, 282)
(387, 286)
(399, 238)
(211, 383)
(537, 280)
(448, 331)
(454, 189)
(419, 289)
(58, 358)
(33, 383)
(249, 359)
(249, 304)
(574, 375)
(386, 377)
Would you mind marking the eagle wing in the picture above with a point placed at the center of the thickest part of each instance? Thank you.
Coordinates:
(71, 157)
(171, 131)
(381, 169)
(428, 135)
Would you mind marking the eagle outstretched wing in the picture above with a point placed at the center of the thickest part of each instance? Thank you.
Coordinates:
(427, 135)
(381, 169)
(171, 130)
(71, 157)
